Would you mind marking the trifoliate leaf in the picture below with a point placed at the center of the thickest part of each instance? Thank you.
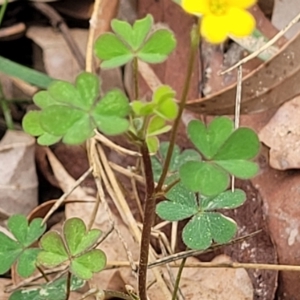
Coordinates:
(73, 112)
(227, 149)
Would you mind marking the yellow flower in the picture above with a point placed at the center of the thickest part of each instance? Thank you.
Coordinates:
(221, 18)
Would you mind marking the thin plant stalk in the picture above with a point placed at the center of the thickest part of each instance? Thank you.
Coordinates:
(151, 192)
(178, 277)
(193, 51)
(135, 65)
(149, 213)
(68, 288)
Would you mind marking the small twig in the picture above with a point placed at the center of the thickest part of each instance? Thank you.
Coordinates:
(103, 200)
(170, 271)
(57, 21)
(126, 172)
(27, 281)
(124, 151)
(189, 253)
(12, 30)
(105, 236)
(60, 201)
(237, 265)
(176, 287)
(265, 46)
(174, 235)
(44, 275)
(106, 294)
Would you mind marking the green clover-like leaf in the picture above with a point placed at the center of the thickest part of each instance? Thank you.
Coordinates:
(206, 225)
(72, 112)
(17, 250)
(228, 152)
(52, 290)
(74, 247)
(127, 42)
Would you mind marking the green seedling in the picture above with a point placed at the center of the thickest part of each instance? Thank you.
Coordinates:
(225, 152)
(75, 247)
(206, 225)
(18, 249)
(155, 115)
(137, 41)
(72, 112)
(49, 291)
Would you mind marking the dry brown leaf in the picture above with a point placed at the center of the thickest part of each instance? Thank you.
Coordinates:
(272, 84)
(282, 135)
(18, 180)
(58, 58)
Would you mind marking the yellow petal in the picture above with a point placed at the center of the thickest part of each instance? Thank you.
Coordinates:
(240, 23)
(214, 28)
(196, 7)
(241, 3)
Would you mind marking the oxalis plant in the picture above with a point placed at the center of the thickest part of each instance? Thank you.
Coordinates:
(193, 184)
